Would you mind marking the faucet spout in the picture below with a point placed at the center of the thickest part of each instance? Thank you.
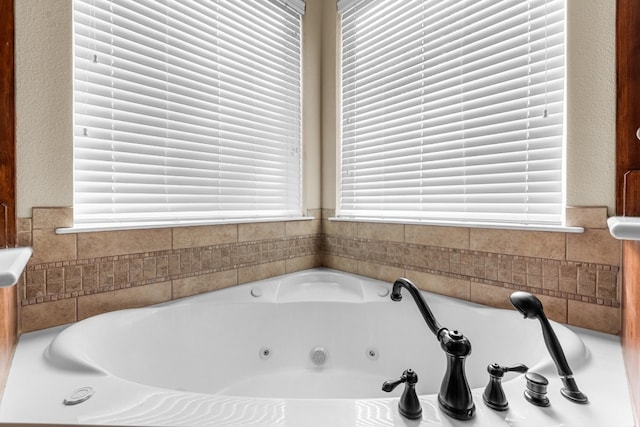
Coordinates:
(428, 316)
(454, 397)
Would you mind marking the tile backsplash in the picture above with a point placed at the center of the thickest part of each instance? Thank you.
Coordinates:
(74, 276)
(575, 275)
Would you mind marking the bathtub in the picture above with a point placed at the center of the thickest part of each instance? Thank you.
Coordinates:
(308, 348)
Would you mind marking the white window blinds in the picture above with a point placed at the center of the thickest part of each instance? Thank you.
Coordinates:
(186, 110)
(453, 110)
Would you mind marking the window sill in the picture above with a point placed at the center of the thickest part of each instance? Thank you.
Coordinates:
(465, 224)
(123, 226)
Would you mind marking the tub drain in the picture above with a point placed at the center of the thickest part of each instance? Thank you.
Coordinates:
(78, 396)
(319, 356)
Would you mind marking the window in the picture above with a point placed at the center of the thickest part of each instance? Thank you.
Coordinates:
(453, 110)
(186, 110)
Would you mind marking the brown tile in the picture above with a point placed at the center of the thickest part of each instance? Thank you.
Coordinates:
(534, 281)
(251, 232)
(554, 308)
(567, 285)
(303, 228)
(24, 239)
(105, 274)
(505, 276)
(23, 225)
(89, 276)
(52, 218)
(204, 283)
(340, 228)
(592, 316)
(137, 296)
(382, 232)
(586, 282)
(162, 266)
(534, 267)
(136, 269)
(50, 247)
(32, 290)
(340, 263)
(23, 230)
(196, 262)
(261, 271)
(554, 283)
(443, 285)
(303, 263)
(492, 296)
(593, 246)
(149, 267)
(193, 237)
(47, 314)
(446, 237)
(55, 288)
(568, 272)
(113, 243)
(72, 286)
(519, 266)
(379, 272)
(550, 269)
(121, 273)
(519, 279)
(36, 277)
(587, 217)
(206, 258)
(538, 244)
(55, 274)
(72, 272)
(607, 284)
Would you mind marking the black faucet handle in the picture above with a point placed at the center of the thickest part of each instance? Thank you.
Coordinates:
(408, 376)
(409, 405)
(496, 370)
(493, 395)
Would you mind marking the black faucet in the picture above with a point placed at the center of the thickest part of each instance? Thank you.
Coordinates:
(531, 308)
(454, 397)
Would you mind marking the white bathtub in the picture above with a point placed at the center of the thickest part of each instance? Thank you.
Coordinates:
(309, 348)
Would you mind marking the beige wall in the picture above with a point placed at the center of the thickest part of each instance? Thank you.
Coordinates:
(591, 103)
(44, 135)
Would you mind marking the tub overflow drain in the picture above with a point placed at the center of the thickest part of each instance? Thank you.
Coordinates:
(78, 396)
(319, 356)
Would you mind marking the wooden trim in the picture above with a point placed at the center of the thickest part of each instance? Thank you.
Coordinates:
(7, 126)
(8, 296)
(628, 182)
(628, 90)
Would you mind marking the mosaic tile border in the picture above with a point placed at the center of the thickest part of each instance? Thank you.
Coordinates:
(586, 282)
(70, 279)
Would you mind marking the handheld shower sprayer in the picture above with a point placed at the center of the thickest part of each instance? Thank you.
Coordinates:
(531, 308)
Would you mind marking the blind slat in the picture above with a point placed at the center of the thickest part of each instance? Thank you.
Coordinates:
(453, 110)
(186, 110)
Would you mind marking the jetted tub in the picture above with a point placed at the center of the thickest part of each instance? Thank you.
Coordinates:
(308, 348)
